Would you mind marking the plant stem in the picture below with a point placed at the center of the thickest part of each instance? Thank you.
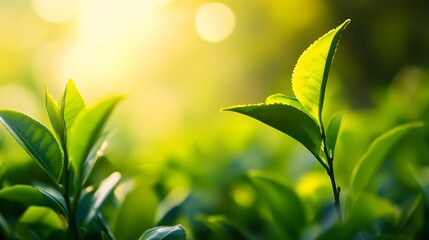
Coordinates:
(336, 190)
(72, 231)
(330, 170)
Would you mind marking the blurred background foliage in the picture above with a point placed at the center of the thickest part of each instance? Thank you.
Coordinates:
(181, 61)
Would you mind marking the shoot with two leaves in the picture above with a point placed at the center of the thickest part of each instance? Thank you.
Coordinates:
(301, 117)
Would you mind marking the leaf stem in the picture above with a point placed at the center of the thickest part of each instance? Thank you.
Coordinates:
(330, 170)
(336, 190)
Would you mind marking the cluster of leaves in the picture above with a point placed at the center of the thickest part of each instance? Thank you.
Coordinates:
(68, 206)
(301, 118)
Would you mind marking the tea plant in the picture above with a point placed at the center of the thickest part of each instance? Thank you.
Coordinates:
(68, 155)
(301, 117)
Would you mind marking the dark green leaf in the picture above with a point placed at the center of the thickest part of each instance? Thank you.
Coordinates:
(363, 212)
(223, 228)
(332, 132)
(55, 115)
(176, 197)
(105, 230)
(376, 153)
(287, 119)
(86, 131)
(5, 229)
(106, 188)
(71, 104)
(55, 199)
(282, 202)
(37, 141)
(24, 194)
(165, 233)
(310, 75)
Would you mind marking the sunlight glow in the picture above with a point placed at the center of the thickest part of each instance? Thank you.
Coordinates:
(57, 11)
(214, 21)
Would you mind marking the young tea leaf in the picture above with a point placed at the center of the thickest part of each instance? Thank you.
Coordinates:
(282, 202)
(86, 131)
(165, 233)
(376, 153)
(287, 119)
(332, 131)
(55, 115)
(24, 194)
(71, 104)
(310, 75)
(36, 140)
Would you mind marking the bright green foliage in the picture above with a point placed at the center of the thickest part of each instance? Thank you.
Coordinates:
(79, 140)
(71, 104)
(311, 72)
(55, 115)
(283, 204)
(301, 118)
(36, 140)
(373, 158)
(165, 233)
(87, 130)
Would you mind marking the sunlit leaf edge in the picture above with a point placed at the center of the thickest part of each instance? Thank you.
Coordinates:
(316, 110)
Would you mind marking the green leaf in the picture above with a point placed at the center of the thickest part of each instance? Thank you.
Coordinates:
(36, 140)
(290, 101)
(376, 153)
(137, 212)
(332, 131)
(42, 216)
(96, 152)
(95, 201)
(54, 114)
(165, 233)
(310, 75)
(71, 104)
(55, 199)
(175, 198)
(86, 131)
(24, 194)
(287, 119)
(282, 202)
(5, 228)
(106, 233)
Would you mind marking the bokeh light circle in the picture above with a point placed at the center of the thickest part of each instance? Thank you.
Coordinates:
(214, 21)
